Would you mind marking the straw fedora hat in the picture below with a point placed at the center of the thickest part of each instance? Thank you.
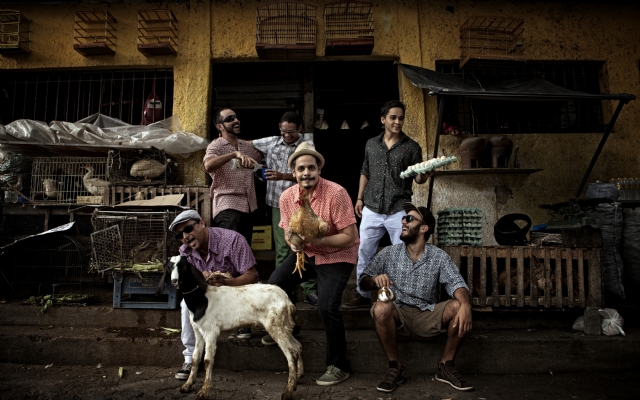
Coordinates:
(304, 149)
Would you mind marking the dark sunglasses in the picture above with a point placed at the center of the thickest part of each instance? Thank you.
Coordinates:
(408, 218)
(186, 229)
(230, 118)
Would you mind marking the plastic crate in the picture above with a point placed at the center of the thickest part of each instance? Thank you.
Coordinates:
(128, 286)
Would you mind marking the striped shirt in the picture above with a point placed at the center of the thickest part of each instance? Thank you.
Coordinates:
(228, 252)
(330, 202)
(232, 188)
(277, 154)
(415, 284)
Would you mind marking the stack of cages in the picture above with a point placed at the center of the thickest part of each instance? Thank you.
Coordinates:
(140, 168)
(69, 180)
(15, 33)
(124, 242)
(348, 27)
(15, 178)
(460, 226)
(286, 30)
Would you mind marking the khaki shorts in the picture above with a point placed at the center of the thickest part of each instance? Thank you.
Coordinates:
(415, 324)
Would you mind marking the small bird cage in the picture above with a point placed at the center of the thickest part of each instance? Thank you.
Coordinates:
(286, 30)
(124, 238)
(94, 33)
(76, 180)
(140, 168)
(15, 33)
(348, 27)
(492, 41)
(157, 32)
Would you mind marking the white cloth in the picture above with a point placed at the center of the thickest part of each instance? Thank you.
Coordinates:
(372, 228)
(188, 335)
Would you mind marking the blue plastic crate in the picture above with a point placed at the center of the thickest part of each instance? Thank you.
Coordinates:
(126, 284)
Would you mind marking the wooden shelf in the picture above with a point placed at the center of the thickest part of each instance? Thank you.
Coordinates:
(487, 171)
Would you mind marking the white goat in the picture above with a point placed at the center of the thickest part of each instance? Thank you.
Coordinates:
(213, 309)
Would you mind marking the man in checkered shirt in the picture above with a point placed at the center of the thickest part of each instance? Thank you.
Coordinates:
(277, 150)
(413, 270)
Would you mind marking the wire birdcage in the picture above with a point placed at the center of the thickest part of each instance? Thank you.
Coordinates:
(139, 168)
(15, 33)
(286, 30)
(76, 180)
(140, 237)
(491, 41)
(94, 33)
(157, 32)
(348, 27)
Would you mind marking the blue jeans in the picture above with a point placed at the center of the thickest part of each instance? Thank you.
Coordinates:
(236, 221)
(331, 280)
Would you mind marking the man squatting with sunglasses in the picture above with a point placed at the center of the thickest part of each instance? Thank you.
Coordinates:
(210, 250)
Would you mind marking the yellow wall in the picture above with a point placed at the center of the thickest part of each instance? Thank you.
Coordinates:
(413, 32)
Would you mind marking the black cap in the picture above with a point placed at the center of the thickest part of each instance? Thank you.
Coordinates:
(424, 212)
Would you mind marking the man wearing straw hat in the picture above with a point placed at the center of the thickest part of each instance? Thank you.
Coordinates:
(329, 259)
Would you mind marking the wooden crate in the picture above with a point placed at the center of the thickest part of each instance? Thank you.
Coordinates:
(578, 272)
(196, 197)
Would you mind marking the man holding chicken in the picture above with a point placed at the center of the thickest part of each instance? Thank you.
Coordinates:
(330, 259)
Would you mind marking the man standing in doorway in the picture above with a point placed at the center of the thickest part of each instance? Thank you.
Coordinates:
(233, 193)
(381, 192)
(277, 150)
(329, 259)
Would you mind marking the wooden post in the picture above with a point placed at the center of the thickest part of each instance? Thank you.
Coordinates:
(483, 276)
(520, 276)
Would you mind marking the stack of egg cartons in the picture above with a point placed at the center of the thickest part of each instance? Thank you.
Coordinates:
(460, 226)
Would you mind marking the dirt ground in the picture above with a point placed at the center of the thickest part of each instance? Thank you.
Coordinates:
(64, 382)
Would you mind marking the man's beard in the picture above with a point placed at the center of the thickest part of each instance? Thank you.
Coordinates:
(230, 130)
(412, 235)
(307, 183)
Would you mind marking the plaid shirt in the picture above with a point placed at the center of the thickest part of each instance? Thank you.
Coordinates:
(232, 188)
(330, 202)
(415, 284)
(228, 252)
(386, 192)
(277, 154)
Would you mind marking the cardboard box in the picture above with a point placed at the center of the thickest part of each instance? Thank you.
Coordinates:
(89, 200)
(261, 237)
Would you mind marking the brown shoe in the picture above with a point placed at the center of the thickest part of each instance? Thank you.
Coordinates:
(357, 302)
(392, 379)
(447, 373)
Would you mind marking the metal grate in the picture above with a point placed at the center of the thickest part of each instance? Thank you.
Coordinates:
(15, 33)
(67, 179)
(157, 32)
(106, 247)
(486, 39)
(348, 28)
(94, 33)
(493, 117)
(286, 30)
(73, 95)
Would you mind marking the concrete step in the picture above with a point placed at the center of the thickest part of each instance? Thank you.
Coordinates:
(484, 352)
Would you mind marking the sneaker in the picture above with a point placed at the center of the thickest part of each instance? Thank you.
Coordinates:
(267, 340)
(392, 379)
(448, 374)
(244, 333)
(357, 302)
(311, 298)
(184, 372)
(333, 376)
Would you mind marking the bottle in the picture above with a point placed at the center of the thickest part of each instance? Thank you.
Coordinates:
(235, 164)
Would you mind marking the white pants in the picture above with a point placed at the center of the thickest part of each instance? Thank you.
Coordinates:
(188, 335)
(372, 228)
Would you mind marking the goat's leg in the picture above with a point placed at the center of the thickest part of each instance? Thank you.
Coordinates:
(209, 355)
(285, 341)
(195, 361)
(298, 347)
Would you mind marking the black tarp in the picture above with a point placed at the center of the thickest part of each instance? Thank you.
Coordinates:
(527, 88)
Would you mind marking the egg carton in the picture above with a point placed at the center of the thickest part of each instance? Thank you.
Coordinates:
(427, 166)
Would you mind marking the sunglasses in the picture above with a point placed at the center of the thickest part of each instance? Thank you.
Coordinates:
(286, 131)
(230, 118)
(186, 229)
(408, 218)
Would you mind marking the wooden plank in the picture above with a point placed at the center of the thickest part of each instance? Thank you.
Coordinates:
(558, 257)
(507, 282)
(547, 278)
(455, 255)
(470, 271)
(580, 257)
(494, 276)
(520, 276)
(533, 281)
(595, 278)
(189, 201)
(483, 276)
(113, 197)
(153, 193)
(568, 255)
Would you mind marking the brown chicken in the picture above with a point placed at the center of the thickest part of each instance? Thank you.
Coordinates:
(304, 224)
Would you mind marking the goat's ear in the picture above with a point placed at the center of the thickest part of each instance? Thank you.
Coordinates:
(200, 281)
